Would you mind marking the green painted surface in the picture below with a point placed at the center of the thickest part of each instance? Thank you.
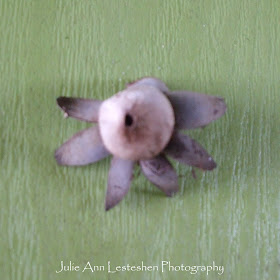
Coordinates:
(92, 49)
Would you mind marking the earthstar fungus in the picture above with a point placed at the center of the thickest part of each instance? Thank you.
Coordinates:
(140, 125)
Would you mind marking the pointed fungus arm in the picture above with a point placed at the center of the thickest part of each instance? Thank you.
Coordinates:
(83, 148)
(186, 150)
(80, 108)
(150, 81)
(194, 110)
(119, 180)
(160, 172)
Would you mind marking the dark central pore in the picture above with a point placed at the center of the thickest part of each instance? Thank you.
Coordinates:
(128, 120)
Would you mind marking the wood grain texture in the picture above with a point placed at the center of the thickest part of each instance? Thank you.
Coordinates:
(91, 49)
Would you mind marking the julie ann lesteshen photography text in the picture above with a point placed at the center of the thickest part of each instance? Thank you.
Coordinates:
(164, 266)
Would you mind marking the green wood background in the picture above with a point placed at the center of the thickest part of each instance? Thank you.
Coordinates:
(92, 49)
